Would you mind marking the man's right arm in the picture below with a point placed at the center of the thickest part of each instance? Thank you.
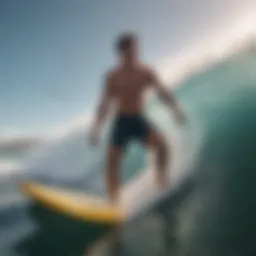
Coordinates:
(104, 106)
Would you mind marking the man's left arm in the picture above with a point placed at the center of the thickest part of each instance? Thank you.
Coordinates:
(166, 96)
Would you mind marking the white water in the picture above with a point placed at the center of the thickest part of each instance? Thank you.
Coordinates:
(9, 167)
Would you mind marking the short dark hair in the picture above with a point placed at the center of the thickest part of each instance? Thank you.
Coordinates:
(124, 41)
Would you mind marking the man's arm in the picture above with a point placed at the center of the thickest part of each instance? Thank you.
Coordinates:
(165, 95)
(103, 107)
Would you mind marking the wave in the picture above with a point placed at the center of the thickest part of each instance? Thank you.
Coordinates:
(218, 147)
(68, 157)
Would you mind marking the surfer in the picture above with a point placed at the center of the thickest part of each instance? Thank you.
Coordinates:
(125, 86)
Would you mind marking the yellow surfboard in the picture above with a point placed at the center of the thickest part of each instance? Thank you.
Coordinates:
(76, 205)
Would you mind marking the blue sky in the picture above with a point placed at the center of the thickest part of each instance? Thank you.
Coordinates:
(54, 52)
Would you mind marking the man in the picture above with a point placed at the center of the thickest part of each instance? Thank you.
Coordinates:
(126, 85)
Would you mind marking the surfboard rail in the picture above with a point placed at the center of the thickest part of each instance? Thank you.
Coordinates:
(79, 206)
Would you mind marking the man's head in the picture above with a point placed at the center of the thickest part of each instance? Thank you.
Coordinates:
(127, 46)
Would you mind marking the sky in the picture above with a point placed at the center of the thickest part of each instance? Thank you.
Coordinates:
(54, 52)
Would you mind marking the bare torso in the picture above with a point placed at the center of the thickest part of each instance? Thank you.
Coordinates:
(128, 87)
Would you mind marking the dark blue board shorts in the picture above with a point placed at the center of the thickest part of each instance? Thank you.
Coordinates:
(126, 128)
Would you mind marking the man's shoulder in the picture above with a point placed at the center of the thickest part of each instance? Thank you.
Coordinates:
(147, 70)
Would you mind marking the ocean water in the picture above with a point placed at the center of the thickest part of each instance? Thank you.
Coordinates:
(217, 147)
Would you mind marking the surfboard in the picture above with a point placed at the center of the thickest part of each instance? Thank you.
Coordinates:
(137, 197)
(90, 208)
(77, 205)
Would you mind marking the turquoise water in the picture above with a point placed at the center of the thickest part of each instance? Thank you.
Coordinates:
(218, 147)
(222, 212)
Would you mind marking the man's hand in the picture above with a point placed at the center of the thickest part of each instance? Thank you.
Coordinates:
(94, 137)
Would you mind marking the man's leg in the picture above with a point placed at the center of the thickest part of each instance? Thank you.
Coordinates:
(156, 141)
(114, 156)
